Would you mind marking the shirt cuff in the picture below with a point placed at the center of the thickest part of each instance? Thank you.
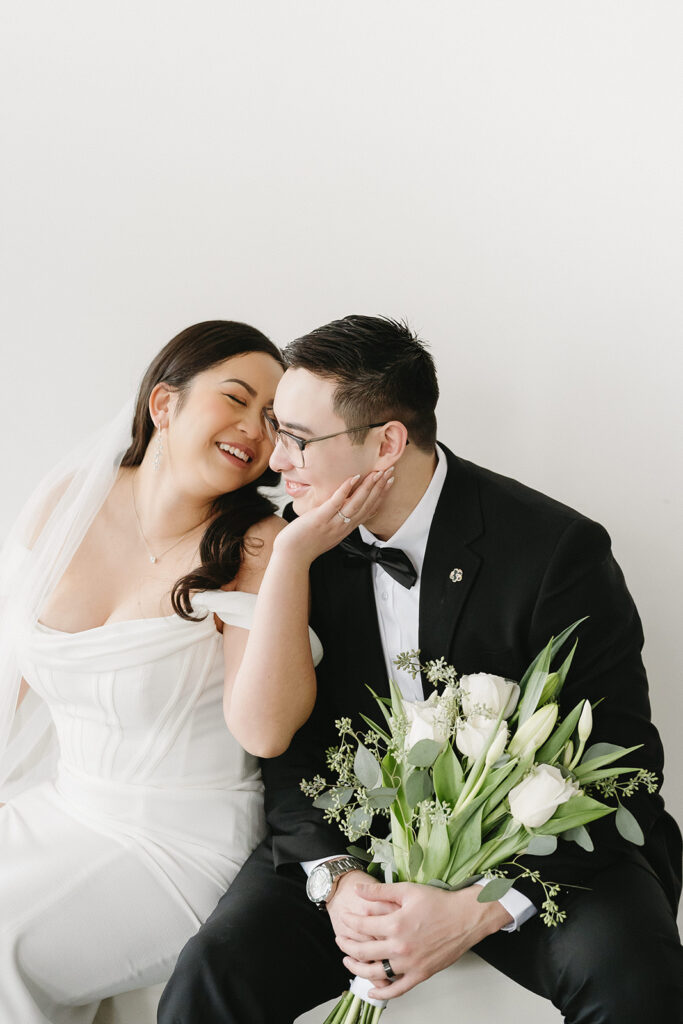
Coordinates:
(519, 907)
(308, 865)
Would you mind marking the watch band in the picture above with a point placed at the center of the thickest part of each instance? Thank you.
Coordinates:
(334, 868)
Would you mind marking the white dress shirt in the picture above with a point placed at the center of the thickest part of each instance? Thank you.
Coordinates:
(398, 615)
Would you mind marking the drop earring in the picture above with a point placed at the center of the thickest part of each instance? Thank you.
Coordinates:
(158, 451)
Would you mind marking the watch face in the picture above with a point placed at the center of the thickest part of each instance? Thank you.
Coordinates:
(319, 884)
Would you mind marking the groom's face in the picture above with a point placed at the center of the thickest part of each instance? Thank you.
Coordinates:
(303, 406)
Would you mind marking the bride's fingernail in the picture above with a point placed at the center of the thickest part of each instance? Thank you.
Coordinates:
(390, 482)
(390, 470)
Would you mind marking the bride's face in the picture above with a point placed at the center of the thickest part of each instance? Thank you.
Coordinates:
(215, 439)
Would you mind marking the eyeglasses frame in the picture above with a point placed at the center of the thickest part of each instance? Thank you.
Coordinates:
(302, 442)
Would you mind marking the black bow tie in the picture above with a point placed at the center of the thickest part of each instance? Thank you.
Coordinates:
(393, 560)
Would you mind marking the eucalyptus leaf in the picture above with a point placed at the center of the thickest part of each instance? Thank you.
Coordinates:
(424, 753)
(542, 846)
(628, 827)
(436, 883)
(494, 889)
(600, 749)
(367, 768)
(581, 836)
(415, 858)
(339, 796)
(381, 797)
(418, 787)
(360, 820)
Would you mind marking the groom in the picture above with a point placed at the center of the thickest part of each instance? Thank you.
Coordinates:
(492, 569)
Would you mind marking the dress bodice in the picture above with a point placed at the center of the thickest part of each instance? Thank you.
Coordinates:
(141, 700)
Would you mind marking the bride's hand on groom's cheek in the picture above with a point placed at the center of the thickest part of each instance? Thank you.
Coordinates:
(325, 526)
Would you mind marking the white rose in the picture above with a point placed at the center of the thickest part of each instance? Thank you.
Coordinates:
(422, 724)
(494, 693)
(474, 733)
(538, 796)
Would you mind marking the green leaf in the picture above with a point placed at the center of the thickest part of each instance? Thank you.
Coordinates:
(339, 796)
(602, 754)
(367, 768)
(437, 853)
(437, 883)
(447, 776)
(628, 827)
(600, 749)
(360, 820)
(581, 836)
(556, 644)
(494, 889)
(534, 686)
(359, 853)
(424, 753)
(374, 726)
(415, 858)
(418, 787)
(541, 846)
(466, 840)
(578, 810)
(557, 739)
(381, 797)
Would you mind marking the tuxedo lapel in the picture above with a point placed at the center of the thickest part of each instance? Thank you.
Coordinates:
(450, 567)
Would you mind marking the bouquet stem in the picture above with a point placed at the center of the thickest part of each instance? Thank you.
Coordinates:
(355, 1007)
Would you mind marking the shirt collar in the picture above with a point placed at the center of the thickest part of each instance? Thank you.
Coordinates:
(412, 534)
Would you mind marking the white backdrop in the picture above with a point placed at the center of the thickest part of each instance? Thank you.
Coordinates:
(505, 175)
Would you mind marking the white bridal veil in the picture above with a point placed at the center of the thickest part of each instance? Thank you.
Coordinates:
(36, 553)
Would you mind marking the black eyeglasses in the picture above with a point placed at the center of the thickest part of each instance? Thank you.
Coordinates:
(294, 445)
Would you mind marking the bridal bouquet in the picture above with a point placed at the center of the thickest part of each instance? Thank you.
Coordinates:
(471, 779)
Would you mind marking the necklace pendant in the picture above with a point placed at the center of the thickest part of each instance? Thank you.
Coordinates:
(153, 559)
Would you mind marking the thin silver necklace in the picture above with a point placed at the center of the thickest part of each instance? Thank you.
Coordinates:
(154, 559)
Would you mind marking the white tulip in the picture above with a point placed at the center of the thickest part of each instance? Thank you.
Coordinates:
(493, 693)
(475, 732)
(535, 731)
(585, 722)
(422, 723)
(537, 797)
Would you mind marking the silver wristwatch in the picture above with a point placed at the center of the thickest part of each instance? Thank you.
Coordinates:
(324, 877)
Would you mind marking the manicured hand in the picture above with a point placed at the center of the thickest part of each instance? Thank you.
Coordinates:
(322, 528)
(346, 903)
(427, 929)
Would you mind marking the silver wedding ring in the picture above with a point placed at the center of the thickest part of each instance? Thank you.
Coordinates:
(387, 970)
(344, 519)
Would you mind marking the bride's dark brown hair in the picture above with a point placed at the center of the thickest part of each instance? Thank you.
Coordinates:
(194, 350)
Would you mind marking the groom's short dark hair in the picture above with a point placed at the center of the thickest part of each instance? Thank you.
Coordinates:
(382, 369)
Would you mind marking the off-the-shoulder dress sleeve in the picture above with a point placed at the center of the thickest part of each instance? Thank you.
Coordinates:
(236, 608)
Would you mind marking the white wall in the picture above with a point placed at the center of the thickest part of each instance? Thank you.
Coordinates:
(506, 175)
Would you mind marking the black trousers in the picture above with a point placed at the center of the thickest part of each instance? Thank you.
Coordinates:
(267, 954)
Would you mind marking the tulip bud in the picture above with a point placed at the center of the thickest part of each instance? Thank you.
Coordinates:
(534, 732)
(498, 746)
(585, 722)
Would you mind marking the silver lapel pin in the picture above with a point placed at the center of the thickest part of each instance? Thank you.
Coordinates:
(455, 576)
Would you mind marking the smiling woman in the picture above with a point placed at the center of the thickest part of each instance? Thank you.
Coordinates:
(129, 605)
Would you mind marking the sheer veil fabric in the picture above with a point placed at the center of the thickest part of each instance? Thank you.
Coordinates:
(36, 552)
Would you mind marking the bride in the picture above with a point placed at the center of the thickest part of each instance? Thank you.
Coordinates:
(128, 617)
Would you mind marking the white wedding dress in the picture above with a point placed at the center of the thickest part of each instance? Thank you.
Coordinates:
(108, 869)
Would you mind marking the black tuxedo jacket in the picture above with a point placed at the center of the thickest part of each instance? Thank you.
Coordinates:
(528, 567)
